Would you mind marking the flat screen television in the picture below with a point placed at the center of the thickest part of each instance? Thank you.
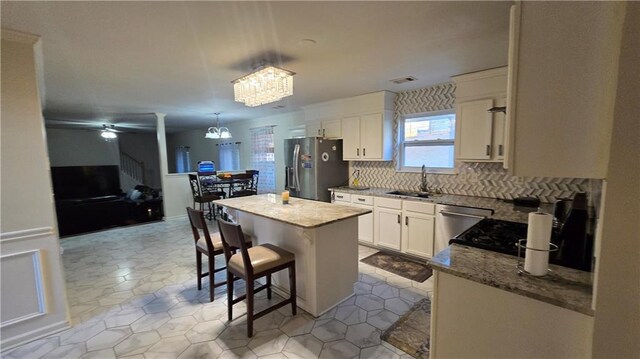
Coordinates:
(79, 182)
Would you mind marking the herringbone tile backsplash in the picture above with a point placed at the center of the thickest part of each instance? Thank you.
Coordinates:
(473, 179)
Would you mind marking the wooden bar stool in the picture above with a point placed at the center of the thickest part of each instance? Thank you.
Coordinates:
(251, 264)
(209, 245)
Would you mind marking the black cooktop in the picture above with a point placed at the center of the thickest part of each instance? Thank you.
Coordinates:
(494, 235)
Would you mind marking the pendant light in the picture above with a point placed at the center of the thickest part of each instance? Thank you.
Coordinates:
(217, 132)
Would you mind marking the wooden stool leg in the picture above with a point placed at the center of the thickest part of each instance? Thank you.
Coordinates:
(269, 286)
(199, 267)
(211, 262)
(250, 284)
(230, 295)
(292, 288)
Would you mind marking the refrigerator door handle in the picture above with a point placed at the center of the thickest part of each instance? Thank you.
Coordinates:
(296, 166)
(286, 177)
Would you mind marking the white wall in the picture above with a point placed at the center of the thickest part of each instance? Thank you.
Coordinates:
(201, 149)
(69, 147)
(143, 147)
(33, 296)
(617, 319)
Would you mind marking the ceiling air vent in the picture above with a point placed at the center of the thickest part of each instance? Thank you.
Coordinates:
(277, 107)
(402, 80)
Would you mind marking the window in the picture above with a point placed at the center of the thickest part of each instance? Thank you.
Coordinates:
(229, 154)
(263, 158)
(183, 163)
(428, 140)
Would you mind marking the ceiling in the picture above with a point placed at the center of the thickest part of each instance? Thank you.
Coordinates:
(117, 62)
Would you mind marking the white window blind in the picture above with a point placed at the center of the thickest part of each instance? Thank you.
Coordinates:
(428, 140)
(263, 158)
(229, 154)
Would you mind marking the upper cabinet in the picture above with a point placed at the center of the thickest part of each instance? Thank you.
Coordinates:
(479, 132)
(325, 129)
(368, 137)
(562, 76)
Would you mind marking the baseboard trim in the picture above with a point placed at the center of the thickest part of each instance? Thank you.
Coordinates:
(11, 343)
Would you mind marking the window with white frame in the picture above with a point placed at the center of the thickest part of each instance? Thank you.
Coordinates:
(428, 140)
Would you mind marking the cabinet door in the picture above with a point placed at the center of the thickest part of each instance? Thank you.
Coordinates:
(351, 138)
(332, 129)
(474, 125)
(388, 228)
(365, 225)
(314, 129)
(417, 234)
(371, 136)
(498, 150)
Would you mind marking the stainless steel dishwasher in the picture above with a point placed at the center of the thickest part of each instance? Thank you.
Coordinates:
(453, 220)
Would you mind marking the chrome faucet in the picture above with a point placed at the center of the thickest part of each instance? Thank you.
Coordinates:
(423, 185)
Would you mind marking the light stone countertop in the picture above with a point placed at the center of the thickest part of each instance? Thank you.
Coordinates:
(502, 210)
(565, 287)
(299, 212)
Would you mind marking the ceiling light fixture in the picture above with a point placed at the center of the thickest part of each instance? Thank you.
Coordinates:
(217, 132)
(108, 133)
(264, 85)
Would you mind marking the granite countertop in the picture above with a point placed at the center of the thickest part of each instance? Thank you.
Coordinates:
(502, 209)
(565, 287)
(299, 212)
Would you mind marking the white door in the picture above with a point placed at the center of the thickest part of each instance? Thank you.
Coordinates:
(499, 119)
(418, 233)
(365, 225)
(474, 124)
(351, 138)
(371, 136)
(388, 228)
(332, 129)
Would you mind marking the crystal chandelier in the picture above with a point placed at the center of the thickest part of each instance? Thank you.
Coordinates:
(217, 132)
(264, 85)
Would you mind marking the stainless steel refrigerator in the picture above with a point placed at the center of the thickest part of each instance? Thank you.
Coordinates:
(312, 166)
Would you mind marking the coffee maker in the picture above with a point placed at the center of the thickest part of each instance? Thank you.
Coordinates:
(574, 235)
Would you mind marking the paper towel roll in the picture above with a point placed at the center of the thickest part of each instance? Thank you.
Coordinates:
(538, 237)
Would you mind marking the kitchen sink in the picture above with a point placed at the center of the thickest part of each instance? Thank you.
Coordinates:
(410, 194)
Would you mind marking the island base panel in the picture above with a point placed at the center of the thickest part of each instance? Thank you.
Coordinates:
(326, 259)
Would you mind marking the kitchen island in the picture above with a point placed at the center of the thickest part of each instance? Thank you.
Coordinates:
(323, 237)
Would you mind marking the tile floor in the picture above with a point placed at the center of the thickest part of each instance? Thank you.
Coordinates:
(132, 294)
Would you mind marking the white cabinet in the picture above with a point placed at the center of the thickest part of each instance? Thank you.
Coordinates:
(325, 129)
(419, 228)
(365, 222)
(368, 137)
(480, 134)
(388, 228)
(405, 226)
(562, 87)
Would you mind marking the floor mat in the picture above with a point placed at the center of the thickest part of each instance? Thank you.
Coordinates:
(411, 332)
(399, 265)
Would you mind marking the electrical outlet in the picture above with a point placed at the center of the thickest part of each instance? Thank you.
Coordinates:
(519, 180)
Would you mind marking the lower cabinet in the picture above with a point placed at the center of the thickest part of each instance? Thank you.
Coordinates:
(388, 228)
(405, 226)
(365, 225)
(418, 233)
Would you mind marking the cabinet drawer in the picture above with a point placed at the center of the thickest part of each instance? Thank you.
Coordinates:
(342, 197)
(420, 207)
(388, 203)
(366, 200)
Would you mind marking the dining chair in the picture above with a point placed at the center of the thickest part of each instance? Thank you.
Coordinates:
(249, 186)
(251, 263)
(210, 245)
(203, 198)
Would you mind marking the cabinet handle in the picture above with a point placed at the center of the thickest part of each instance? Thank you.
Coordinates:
(398, 218)
(358, 152)
(323, 135)
(406, 221)
(488, 150)
(318, 132)
(361, 199)
(340, 196)
(364, 152)
(500, 152)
